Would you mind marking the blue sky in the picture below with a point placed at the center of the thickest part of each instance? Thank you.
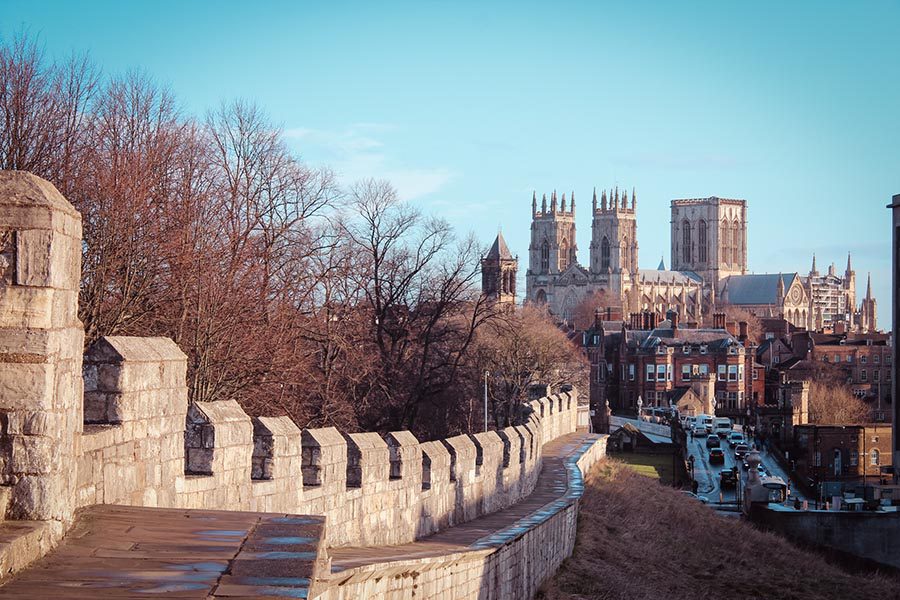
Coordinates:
(468, 107)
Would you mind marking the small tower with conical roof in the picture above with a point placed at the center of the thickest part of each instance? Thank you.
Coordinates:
(498, 273)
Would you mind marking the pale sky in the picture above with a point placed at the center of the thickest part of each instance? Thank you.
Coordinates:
(468, 107)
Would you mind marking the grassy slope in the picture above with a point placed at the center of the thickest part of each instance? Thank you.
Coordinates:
(640, 540)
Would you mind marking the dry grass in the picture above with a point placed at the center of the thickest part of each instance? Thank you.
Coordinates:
(640, 540)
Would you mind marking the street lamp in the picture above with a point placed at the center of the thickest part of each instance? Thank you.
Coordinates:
(640, 403)
(486, 375)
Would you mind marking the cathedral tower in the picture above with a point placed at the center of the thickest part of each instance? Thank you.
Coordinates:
(868, 311)
(498, 273)
(553, 247)
(709, 237)
(614, 247)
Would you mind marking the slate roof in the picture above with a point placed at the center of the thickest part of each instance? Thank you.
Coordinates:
(499, 249)
(651, 275)
(756, 289)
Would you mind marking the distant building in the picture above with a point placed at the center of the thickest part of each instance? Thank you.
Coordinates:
(652, 360)
(832, 298)
(498, 273)
(895, 304)
(841, 452)
(768, 295)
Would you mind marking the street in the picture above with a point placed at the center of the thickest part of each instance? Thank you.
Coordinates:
(708, 478)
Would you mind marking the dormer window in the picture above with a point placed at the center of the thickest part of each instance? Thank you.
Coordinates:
(686, 350)
(703, 349)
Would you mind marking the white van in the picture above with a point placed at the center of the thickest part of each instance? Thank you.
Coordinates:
(722, 426)
(705, 421)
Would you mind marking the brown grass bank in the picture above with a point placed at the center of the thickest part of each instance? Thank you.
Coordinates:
(638, 540)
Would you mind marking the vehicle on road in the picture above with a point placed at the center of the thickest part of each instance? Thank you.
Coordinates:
(716, 456)
(699, 430)
(706, 421)
(740, 451)
(778, 489)
(722, 426)
(728, 478)
(712, 441)
(735, 438)
(702, 499)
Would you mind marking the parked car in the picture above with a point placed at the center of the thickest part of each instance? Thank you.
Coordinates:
(712, 441)
(740, 451)
(702, 499)
(699, 430)
(716, 456)
(735, 438)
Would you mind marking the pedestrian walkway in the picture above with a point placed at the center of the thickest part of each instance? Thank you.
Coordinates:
(552, 484)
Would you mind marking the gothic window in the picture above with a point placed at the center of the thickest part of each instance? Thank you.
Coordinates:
(604, 254)
(686, 242)
(736, 243)
(701, 241)
(545, 257)
(541, 297)
(725, 255)
(563, 255)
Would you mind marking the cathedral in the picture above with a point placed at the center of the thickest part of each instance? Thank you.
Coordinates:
(708, 243)
(708, 258)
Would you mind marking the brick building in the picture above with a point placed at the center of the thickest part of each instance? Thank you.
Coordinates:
(844, 453)
(656, 361)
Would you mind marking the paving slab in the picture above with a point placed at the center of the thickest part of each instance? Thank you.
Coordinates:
(132, 552)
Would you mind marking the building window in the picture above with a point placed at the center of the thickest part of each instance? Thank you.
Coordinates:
(686, 350)
(604, 254)
(887, 375)
(545, 257)
(686, 241)
(631, 372)
(854, 458)
(668, 372)
(685, 372)
(874, 457)
(755, 374)
(876, 358)
(741, 373)
(887, 359)
(703, 349)
(849, 358)
(817, 459)
(732, 373)
(701, 241)
(863, 359)
(660, 372)
(704, 371)
(650, 371)
(876, 375)
(721, 372)
(862, 375)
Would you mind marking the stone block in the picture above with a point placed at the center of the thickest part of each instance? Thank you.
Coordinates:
(33, 257)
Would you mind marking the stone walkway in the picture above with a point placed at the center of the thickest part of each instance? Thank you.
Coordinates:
(551, 486)
(129, 552)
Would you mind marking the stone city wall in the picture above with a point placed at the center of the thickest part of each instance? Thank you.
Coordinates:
(143, 445)
(510, 563)
(118, 429)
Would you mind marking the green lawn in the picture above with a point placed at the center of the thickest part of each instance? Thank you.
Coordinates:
(655, 466)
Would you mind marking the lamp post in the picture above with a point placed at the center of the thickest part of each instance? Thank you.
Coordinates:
(640, 403)
(486, 374)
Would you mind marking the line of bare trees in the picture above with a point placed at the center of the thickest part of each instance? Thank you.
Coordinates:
(342, 307)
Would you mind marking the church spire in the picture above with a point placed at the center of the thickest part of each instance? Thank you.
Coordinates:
(563, 207)
(633, 200)
(595, 199)
(814, 271)
(534, 202)
(553, 202)
(603, 200)
(544, 203)
(869, 287)
(616, 200)
(572, 201)
(849, 267)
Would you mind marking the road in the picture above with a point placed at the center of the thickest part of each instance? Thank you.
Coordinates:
(708, 477)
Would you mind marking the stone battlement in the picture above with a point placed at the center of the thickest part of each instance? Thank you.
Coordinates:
(115, 426)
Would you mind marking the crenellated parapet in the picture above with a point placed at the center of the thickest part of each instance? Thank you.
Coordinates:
(115, 426)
